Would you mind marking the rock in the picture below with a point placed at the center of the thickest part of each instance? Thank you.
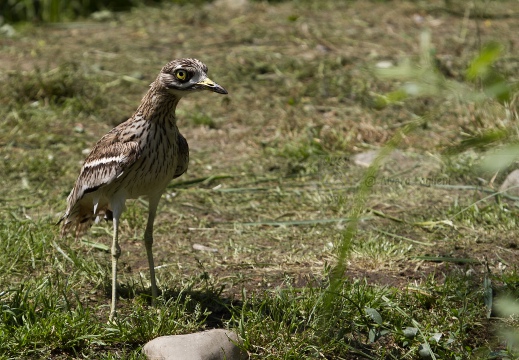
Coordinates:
(511, 183)
(231, 4)
(7, 30)
(417, 168)
(201, 247)
(394, 158)
(216, 344)
(103, 15)
(425, 351)
(365, 159)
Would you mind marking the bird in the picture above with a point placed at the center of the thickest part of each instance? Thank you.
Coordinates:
(139, 157)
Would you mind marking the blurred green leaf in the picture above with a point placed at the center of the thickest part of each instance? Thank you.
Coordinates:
(494, 84)
(374, 315)
(380, 101)
(410, 332)
(507, 306)
(501, 158)
(480, 141)
(479, 67)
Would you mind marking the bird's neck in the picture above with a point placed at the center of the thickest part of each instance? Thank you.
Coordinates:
(158, 105)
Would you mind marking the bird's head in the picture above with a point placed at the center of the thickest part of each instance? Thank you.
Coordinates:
(183, 76)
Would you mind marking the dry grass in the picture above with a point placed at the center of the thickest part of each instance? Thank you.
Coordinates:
(277, 159)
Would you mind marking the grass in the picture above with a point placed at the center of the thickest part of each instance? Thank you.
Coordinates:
(317, 257)
(55, 11)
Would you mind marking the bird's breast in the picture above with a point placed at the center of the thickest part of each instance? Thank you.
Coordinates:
(156, 165)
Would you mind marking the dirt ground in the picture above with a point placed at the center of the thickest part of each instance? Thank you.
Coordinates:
(301, 88)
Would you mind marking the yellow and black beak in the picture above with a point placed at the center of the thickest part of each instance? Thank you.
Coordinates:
(208, 84)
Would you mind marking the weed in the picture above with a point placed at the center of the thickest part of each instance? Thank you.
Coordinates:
(275, 231)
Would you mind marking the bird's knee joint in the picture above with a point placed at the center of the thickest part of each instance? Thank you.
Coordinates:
(116, 251)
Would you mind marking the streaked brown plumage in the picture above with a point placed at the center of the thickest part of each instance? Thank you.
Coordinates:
(138, 157)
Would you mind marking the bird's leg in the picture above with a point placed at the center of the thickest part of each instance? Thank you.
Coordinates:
(116, 252)
(148, 243)
(117, 208)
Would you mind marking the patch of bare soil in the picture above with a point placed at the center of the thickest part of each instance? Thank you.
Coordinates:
(299, 79)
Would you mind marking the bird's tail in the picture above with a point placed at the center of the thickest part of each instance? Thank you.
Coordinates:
(80, 218)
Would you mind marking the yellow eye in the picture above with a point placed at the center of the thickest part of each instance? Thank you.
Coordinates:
(181, 75)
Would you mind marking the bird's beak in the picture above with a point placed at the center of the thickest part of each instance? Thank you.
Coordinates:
(209, 84)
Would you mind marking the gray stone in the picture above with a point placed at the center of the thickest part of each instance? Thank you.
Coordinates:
(365, 159)
(216, 344)
(511, 183)
(231, 4)
(411, 166)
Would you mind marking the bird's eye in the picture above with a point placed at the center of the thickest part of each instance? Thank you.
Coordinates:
(181, 75)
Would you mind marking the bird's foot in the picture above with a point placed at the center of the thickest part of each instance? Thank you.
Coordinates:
(112, 318)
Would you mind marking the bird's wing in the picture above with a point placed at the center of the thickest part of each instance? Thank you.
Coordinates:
(111, 156)
(108, 160)
(103, 165)
(183, 156)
